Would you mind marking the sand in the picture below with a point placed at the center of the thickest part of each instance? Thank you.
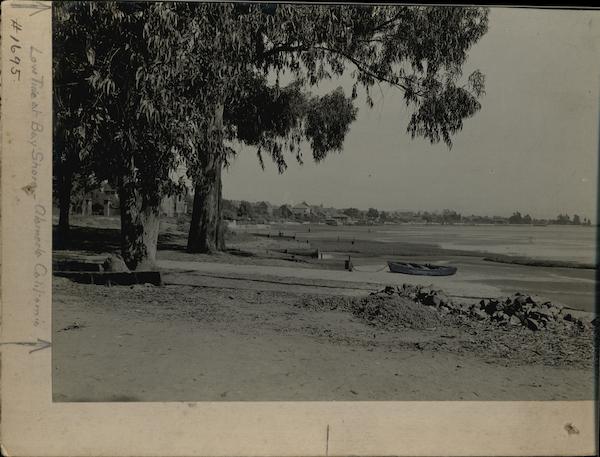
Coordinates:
(183, 343)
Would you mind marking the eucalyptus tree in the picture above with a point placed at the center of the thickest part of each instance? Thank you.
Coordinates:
(273, 120)
(171, 83)
(113, 79)
(419, 50)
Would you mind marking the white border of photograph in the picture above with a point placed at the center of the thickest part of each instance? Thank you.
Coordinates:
(33, 425)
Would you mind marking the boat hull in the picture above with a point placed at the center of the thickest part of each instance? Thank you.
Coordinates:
(421, 270)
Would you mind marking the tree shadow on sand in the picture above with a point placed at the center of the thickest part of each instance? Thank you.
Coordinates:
(95, 240)
(91, 240)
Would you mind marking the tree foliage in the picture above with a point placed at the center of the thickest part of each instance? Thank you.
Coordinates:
(419, 50)
(372, 213)
(112, 80)
(245, 210)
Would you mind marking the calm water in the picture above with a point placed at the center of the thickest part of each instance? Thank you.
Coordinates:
(550, 242)
(570, 243)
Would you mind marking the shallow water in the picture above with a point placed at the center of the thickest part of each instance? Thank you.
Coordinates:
(570, 243)
(552, 242)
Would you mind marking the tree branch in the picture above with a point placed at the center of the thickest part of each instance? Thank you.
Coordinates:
(361, 66)
(286, 47)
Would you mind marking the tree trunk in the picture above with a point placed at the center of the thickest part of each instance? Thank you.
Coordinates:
(64, 202)
(220, 224)
(206, 233)
(206, 229)
(140, 223)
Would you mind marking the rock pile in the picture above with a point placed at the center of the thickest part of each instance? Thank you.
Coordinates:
(518, 310)
(394, 311)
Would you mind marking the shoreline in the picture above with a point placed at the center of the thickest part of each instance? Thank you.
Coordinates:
(573, 287)
(375, 248)
(531, 262)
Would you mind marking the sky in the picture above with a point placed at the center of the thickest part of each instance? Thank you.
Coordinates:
(533, 147)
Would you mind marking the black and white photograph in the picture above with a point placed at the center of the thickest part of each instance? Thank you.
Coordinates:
(288, 202)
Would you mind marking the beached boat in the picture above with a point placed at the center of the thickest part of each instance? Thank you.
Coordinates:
(421, 269)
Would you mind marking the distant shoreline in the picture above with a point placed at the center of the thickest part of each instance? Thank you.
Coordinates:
(528, 261)
(287, 223)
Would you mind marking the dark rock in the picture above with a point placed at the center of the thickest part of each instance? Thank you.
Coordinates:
(532, 325)
(427, 300)
(389, 290)
(479, 314)
(520, 300)
(464, 308)
(491, 307)
(542, 314)
(514, 320)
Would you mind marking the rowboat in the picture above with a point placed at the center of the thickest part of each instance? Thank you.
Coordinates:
(421, 269)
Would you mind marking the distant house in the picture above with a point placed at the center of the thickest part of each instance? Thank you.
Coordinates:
(264, 209)
(341, 218)
(499, 220)
(104, 201)
(174, 205)
(302, 210)
(338, 218)
(329, 212)
(285, 211)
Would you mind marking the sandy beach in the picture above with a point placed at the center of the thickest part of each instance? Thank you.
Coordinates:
(257, 323)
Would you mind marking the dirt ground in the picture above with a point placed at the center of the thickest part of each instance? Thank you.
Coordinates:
(211, 342)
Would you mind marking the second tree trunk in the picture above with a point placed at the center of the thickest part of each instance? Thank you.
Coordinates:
(206, 229)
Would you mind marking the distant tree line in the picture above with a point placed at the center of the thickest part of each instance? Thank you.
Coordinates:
(245, 210)
(561, 219)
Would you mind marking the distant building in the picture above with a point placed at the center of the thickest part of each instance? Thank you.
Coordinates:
(318, 212)
(264, 208)
(285, 211)
(104, 201)
(302, 210)
(341, 218)
(499, 220)
(174, 206)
